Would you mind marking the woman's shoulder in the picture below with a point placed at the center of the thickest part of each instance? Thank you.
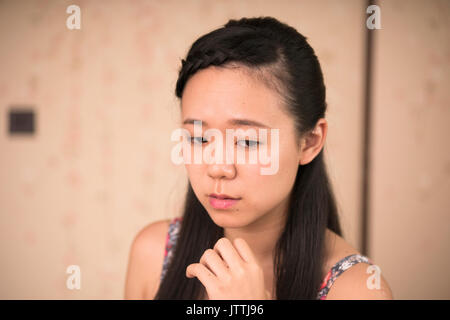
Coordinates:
(353, 283)
(153, 229)
(153, 235)
(146, 259)
(337, 248)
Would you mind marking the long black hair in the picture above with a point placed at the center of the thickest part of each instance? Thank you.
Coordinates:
(265, 44)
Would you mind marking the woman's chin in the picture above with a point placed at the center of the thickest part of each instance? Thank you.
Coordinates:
(227, 219)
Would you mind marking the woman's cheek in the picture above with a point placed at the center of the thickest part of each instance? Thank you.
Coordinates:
(196, 176)
(258, 187)
(194, 171)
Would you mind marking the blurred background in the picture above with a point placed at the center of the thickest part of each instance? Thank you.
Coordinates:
(86, 116)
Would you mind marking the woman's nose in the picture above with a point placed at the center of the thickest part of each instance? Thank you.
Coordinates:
(218, 171)
(221, 164)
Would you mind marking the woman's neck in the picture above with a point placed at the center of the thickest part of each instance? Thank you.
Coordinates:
(261, 235)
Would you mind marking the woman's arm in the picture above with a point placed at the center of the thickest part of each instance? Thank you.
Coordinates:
(145, 261)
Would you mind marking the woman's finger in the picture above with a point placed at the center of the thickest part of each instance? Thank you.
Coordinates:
(244, 250)
(214, 262)
(228, 253)
(206, 277)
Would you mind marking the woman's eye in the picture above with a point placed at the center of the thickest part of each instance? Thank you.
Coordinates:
(248, 143)
(242, 143)
(197, 140)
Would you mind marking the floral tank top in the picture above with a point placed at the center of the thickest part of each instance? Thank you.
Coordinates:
(327, 282)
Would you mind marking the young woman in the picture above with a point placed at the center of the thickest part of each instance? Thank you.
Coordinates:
(243, 234)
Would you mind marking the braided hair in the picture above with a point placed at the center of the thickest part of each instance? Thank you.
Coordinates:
(281, 57)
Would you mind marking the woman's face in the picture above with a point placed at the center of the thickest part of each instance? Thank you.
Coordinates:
(215, 96)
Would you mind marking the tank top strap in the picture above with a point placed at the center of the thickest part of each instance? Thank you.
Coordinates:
(171, 239)
(337, 270)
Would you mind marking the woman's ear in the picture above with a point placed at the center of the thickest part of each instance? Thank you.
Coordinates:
(313, 142)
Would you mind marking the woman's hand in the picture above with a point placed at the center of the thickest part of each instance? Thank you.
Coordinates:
(230, 272)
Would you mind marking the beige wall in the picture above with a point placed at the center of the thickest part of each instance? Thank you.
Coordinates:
(410, 233)
(98, 169)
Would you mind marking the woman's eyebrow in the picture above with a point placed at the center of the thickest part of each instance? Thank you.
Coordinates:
(233, 122)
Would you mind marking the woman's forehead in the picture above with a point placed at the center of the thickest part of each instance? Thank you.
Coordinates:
(221, 95)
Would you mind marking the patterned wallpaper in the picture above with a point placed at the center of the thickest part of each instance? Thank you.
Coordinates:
(97, 169)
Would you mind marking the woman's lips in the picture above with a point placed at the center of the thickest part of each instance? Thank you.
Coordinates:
(217, 203)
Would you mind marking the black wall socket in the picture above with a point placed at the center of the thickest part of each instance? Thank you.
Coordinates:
(21, 121)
